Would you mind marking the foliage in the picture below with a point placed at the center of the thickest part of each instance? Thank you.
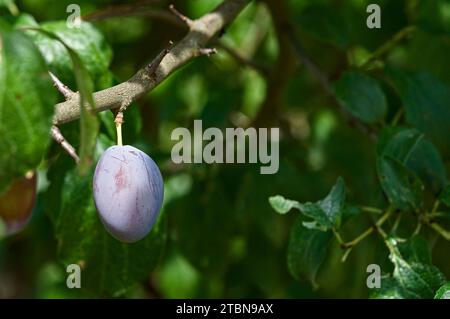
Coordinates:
(364, 151)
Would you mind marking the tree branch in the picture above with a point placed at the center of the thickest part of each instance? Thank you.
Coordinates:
(135, 9)
(59, 138)
(242, 59)
(325, 84)
(184, 19)
(281, 72)
(192, 45)
(62, 88)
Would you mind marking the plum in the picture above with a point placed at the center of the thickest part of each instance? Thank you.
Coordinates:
(17, 203)
(128, 192)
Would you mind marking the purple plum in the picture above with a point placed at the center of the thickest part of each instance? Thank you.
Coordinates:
(128, 192)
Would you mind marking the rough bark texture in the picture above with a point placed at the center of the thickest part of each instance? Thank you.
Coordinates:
(201, 31)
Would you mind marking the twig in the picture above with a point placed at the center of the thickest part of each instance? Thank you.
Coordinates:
(440, 230)
(386, 47)
(357, 240)
(188, 22)
(308, 63)
(243, 59)
(396, 223)
(372, 210)
(281, 71)
(175, 18)
(151, 68)
(203, 30)
(206, 51)
(59, 138)
(136, 9)
(417, 229)
(397, 117)
(124, 11)
(12, 8)
(427, 220)
(62, 88)
(325, 83)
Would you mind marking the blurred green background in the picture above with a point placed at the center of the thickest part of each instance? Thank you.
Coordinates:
(217, 235)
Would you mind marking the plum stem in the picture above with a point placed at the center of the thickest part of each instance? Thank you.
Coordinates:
(119, 134)
(119, 121)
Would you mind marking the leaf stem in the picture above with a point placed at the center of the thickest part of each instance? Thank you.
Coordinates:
(358, 239)
(385, 217)
(397, 117)
(435, 206)
(12, 8)
(440, 230)
(372, 210)
(338, 236)
(418, 228)
(396, 223)
(388, 46)
(367, 232)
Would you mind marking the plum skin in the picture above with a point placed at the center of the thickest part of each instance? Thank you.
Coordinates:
(128, 192)
(17, 203)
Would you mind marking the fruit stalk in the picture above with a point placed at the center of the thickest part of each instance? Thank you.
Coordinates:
(119, 121)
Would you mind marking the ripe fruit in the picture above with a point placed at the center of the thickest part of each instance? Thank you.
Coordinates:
(16, 204)
(128, 192)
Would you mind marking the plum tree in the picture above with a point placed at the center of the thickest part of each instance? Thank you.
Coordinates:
(128, 192)
(17, 203)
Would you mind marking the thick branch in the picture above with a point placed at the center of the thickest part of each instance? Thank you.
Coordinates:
(191, 46)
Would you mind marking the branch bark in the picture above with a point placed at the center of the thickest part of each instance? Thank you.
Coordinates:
(326, 85)
(282, 70)
(201, 31)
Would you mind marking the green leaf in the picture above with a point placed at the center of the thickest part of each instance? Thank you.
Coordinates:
(402, 187)
(426, 100)
(362, 96)
(399, 143)
(306, 251)
(389, 289)
(25, 20)
(86, 41)
(415, 277)
(89, 123)
(416, 250)
(419, 280)
(443, 292)
(110, 267)
(410, 147)
(327, 212)
(445, 196)
(283, 205)
(427, 163)
(27, 98)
